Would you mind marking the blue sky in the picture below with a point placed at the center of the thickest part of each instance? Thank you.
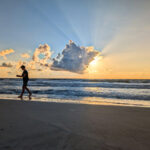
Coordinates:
(27, 23)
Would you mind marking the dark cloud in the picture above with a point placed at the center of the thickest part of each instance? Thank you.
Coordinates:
(9, 65)
(39, 69)
(9, 72)
(74, 58)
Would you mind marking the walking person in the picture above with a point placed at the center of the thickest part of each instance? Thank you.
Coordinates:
(25, 82)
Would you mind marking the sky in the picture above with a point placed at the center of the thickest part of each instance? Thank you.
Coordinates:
(101, 39)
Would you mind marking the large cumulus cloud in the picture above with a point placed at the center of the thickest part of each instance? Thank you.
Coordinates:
(74, 58)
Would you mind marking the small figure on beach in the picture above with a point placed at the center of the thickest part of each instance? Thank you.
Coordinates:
(25, 82)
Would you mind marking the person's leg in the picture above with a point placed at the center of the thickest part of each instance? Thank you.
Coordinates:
(23, 88)
(28, 90)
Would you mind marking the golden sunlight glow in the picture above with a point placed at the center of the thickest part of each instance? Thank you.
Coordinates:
(94, 65)
(95, 61)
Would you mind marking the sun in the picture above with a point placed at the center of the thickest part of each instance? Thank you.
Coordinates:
(95, 61)
(94, 65)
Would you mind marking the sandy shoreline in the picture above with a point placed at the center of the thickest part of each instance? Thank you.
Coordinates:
(26, 125)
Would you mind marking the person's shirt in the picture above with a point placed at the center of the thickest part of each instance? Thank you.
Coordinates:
(25, 75)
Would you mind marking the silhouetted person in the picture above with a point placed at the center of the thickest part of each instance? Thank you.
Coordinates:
(25, 82)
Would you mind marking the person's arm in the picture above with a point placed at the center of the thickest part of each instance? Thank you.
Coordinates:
(23, 75)
(19, 76)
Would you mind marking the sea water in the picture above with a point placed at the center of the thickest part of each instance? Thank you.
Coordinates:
(109, 92)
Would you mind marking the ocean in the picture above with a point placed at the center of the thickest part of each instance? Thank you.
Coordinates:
(85, 91)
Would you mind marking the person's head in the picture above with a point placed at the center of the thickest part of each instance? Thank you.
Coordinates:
(23, 67)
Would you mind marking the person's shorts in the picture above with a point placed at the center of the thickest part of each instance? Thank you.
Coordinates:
(25, 82)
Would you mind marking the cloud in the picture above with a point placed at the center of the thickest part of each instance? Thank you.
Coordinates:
(9, 72)
(39, 69)
(9, 65)
(3, 53)
(19, 64)
(25, 55)
(42, 54)
(74, 58)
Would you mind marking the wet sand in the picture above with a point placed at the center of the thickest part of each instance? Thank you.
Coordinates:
(27, 125)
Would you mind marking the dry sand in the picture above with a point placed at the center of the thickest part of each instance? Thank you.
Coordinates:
(26, 125)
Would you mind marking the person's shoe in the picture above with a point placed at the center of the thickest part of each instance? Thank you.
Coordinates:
(20, 97)
(30, 96)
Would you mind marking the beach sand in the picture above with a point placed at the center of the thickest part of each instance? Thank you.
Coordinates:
(28, 125)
